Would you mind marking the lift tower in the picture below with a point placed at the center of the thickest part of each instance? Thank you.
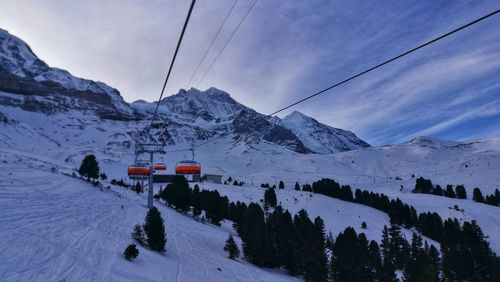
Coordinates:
(151, 149)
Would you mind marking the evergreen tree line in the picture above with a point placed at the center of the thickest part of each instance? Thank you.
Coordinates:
(466, 254)
(299, 245)
(266, 185)
(235, 183)
(281, 185)
(493, 199)
(354, 258)
(425, 186)
(429, 224)
(296, 244)
(279, 241)
(399, 212)
(179, 196)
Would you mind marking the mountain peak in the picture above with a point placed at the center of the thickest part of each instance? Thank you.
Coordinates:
(23, 73)
(296, 116)
(427, 141)
(319, 137)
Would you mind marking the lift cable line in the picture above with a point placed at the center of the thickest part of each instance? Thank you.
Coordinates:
(173, 59)
(227, 42)
(142, 171)
(368, 70)
(212, 43)
(388, 61)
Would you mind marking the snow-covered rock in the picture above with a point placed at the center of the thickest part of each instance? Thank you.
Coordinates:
(22, 72)
(321, 138)
(214, 110)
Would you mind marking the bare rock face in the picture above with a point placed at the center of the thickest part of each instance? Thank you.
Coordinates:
(187, 117)
(215, 111)
(50, 90)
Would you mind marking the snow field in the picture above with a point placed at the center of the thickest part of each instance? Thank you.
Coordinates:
(61, 228)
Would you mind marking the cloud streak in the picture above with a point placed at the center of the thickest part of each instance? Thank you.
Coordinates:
(286, 50)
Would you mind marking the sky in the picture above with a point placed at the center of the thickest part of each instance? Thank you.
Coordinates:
(286, 50)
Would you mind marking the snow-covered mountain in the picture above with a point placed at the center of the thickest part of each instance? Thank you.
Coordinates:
(319, 137)
(49, 120)
(48, 89)
(193, 106)
(215, 111)
(185, 118)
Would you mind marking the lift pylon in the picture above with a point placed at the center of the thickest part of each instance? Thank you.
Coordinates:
(151, 149)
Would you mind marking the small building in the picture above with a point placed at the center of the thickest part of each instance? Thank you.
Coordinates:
(214, 178)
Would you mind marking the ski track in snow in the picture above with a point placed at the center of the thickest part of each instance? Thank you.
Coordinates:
(61, 228)
(58, 227)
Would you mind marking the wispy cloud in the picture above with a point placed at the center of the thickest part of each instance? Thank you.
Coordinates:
(284, 51)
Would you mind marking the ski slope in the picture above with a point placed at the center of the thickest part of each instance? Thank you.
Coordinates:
(59, 228)
(336, 214)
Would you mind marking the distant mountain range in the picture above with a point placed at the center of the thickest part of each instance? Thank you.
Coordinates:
(186, 117)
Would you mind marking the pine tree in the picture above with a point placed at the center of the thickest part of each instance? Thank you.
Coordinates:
(131, 252)
(329, 242)
(438, 191)
(388, 272)
(461, 192)
(375, 261)
(89, 167)
(423, 185)
(196, 202)
(288, 251)
(350, 258)
(477, 196)
(252, 233)
(490, 200)
(399, 247)
(178, 194)
(155, 230)
(495, 274)
(387, 252)
(451, 250)
(309, 247)
(231, 248)
(317, 268)
(138, 234)
(363, 225)
(449, 191)
(419, 268)
(297, 186)
(270, 197)
(281, 185)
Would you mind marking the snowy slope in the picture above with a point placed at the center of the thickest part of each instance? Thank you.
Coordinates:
(214, 110)
(32, 144)
(61, 142)
(337, 214)
(63, 229)
(321, 138)
(67, 137)
(21, 71)
(49, 120)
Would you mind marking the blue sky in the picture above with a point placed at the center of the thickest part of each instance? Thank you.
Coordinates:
(287, 50)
